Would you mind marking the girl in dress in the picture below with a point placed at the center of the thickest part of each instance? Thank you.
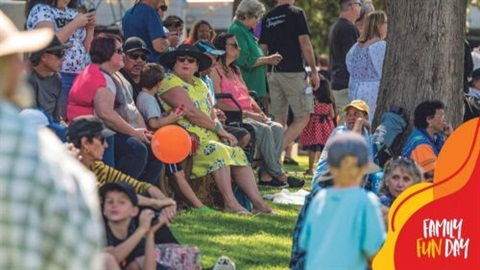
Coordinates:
(315, 134)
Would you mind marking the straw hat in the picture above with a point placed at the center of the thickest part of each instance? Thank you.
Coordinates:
(14, 41)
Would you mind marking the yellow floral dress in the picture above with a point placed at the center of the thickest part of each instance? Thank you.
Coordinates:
(212, 154)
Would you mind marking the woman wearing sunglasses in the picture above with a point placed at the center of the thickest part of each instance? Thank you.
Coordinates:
(399, 174)
(217, 154)
(268, 134)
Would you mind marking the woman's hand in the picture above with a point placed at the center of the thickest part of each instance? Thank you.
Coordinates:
(227, 138)
(81, 20)
(259, 117)
(274, 59)
(141, 134)
(92, 21)
(169, 212)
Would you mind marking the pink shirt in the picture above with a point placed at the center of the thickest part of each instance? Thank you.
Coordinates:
(237, 88)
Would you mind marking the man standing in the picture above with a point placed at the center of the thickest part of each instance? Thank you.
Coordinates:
(285, 31)
(143, 21)
(45, 78)
(343, 35)
(136, 52)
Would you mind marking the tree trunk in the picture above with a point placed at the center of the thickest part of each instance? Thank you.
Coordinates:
(424, 58)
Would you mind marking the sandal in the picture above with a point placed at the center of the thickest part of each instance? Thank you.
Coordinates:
(242, 212)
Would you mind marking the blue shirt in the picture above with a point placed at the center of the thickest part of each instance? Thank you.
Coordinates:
(144, 22)
(322, 165)
(343, 228)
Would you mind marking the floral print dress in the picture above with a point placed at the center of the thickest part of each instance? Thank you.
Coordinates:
(211, 154)
(365, 66)
(76, 57)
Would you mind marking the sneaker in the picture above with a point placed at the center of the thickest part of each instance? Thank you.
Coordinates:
(295, 182)
(224, 263)
(273, 183)
(290, 161)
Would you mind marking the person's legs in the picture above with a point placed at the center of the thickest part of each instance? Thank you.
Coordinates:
(67, 82)
(109, 154)
(184, 187)
(152, 170)
(341, 100)
(244, 178)
(300, 102)
(311, 158)
(222, 180)
(130, 155)
(278, 100)
(269, 141)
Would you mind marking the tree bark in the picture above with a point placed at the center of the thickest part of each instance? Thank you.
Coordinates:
(424, 58)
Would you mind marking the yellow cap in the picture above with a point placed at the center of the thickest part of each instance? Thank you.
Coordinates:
(359, 105)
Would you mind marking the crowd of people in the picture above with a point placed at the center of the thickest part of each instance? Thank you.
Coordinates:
(105, 94)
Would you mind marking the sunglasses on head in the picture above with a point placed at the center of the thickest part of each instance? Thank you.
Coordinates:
(190, 59)
(163, 8)
(58, 54)
(135, 56)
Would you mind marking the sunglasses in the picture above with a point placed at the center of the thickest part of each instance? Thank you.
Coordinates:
(190, 60)
(163, 8)
(119, 50)
(234, 45)
(135, 56)
(58, 54)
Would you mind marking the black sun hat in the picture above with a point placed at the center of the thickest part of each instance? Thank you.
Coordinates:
(169, 59)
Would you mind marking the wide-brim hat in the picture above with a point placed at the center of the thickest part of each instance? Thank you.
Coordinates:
(169, 59)
(54, 46)
(13, 41)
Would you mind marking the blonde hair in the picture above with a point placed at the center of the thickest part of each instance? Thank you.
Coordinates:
(372, 26)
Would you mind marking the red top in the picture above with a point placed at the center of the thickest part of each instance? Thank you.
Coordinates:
(83, 91)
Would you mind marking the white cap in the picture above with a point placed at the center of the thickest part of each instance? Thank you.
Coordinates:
(35, 118)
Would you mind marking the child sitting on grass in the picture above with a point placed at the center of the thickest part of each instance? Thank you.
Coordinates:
(125, 240)
(343, 216)
(148, 105)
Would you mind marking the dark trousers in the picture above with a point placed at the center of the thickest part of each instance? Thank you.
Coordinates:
(135, 158)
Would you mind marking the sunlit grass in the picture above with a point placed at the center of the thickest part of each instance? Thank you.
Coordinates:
(251, 242)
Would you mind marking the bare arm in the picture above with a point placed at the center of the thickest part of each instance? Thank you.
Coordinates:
(65, 32)
(307, 51)
(90, 30)
(122, 251)
(103, 104)
(264, 48)
(160, 44)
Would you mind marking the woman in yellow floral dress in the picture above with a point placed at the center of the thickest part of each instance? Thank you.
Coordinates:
(214, 156)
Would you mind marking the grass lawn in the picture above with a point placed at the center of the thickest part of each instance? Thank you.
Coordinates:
(253, 242)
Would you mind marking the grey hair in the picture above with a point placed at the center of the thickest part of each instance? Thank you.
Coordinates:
(345, 144)
(407, 165)
(250, 8)
(345, 4)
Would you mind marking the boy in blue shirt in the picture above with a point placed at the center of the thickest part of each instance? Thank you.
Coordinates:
(344, 216)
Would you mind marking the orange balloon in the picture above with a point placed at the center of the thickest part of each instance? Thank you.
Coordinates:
(171, 144)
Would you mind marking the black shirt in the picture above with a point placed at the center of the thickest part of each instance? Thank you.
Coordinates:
(47, 93)
(135, 86)
(343, 35)
(281, 28)
(112, 240)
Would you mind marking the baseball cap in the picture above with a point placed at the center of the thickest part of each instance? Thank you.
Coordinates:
(359, 105)
(348, 143)
(54, 46)
(208, 47)
(135, 44)
(122, 187)
(87, 125)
